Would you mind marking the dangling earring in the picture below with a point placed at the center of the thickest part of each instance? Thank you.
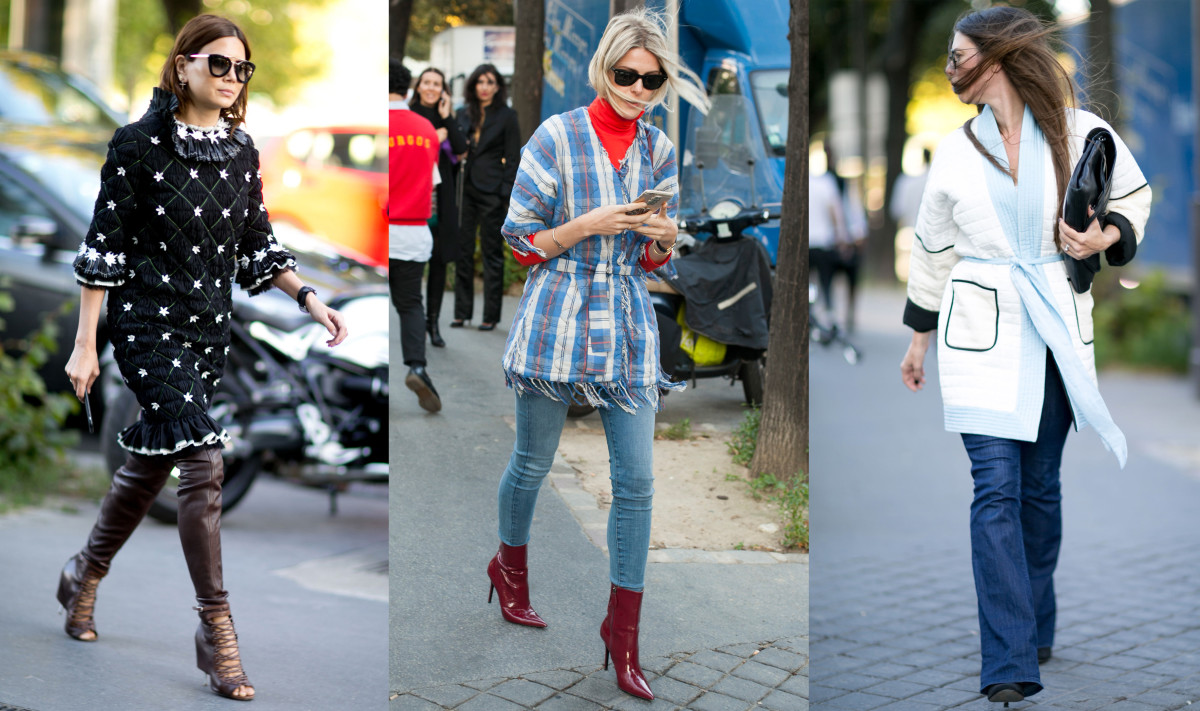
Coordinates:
(182, 81)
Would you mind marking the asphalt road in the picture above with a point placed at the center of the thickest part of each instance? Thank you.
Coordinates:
(308, 594)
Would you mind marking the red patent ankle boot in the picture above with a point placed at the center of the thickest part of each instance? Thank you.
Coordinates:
(619, 630)
(510, 581)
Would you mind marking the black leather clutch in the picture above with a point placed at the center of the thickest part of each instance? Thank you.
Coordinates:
(1089, 186)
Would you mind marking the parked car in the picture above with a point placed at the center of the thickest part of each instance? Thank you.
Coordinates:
(35, 91)
(331, 182)
(49, 179)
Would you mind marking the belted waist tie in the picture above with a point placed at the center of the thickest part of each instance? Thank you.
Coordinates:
(1035, 293)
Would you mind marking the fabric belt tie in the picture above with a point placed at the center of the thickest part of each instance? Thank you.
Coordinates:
(601, 309)
(1034, 290)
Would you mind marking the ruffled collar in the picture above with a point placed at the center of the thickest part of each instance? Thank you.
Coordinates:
(211, 143)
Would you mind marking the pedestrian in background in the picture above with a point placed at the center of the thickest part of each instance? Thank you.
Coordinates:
(494, 149)
(413, 147)
(179, 219)
(585, 330)
(1015, 354)
(432, 102)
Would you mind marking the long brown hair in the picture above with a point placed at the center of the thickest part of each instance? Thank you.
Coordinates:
(198, 32)
(415, 101)
(1019, 43)
(475, 111)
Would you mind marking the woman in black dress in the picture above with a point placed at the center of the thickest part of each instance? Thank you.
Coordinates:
(179, 219)
(431, 101)
(494, 140)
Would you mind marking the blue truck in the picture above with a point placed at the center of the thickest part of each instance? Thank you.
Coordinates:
(734, 157)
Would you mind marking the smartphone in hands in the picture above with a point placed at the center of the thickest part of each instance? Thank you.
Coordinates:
(653, 199)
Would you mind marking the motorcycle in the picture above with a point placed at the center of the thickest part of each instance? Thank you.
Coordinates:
(292, 406)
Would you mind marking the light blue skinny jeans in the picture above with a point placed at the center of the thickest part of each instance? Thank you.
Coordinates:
(630, 450)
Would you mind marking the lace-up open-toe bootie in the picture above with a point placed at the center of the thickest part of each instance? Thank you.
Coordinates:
(217, 653)
(77, 595)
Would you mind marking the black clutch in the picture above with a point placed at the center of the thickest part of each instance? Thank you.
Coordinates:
(1089, 187)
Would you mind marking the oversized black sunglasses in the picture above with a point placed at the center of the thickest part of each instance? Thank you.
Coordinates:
(219, 65)
(625, 77)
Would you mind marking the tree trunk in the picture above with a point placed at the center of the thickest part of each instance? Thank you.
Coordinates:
(782, 447)
(526, 90)
(399, 13)
(179, 12)
(1100, 67)
(900, 51)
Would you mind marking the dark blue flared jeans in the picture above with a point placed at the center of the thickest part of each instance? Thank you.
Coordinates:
(1016, 529)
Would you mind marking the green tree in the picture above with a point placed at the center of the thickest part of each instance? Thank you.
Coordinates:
(147, 29)
(430, 17)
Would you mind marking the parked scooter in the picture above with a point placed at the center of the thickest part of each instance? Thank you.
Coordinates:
(291, 405)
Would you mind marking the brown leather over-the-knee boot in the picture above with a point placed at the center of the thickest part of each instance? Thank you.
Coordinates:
(133, 489)
(201, 472)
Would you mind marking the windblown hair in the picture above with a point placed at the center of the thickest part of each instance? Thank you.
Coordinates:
(1019, 43)
(648, 30)
(474, 108)
(199, 31)
(416, 97)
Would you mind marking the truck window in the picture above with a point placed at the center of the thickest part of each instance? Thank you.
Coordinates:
(723, 81)
(770, 95)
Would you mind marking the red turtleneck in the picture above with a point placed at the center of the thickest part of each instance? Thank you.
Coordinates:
(616, 135)
(616, 132)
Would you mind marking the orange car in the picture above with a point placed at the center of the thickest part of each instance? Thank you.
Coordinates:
(332, 182)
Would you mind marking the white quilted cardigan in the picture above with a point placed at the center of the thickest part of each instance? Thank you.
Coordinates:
(991, 359)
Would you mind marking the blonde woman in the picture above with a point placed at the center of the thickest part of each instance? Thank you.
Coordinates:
(585, 330)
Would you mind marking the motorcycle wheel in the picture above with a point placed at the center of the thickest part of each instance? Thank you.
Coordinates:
(752, 374)
(239, 471)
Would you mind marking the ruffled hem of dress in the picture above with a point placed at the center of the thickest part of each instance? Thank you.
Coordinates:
(597, 394)
(256, 278)
(172, 436)
(209, 144)
(96, 269)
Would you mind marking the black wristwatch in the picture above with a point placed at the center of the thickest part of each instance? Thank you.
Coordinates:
(302, 296)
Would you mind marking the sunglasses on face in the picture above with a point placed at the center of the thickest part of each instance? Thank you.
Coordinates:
(958, 56)
(625, 77)
(219, 65)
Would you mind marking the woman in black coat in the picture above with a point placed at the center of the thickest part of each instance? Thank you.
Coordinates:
(433, 102)
(494, 143)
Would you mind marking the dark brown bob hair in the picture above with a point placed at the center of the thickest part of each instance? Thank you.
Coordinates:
(199, 31)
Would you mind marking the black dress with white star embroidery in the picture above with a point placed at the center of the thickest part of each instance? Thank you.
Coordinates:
(179, 219)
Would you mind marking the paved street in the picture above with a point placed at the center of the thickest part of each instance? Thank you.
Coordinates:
(893, 607)
(308, 594)
(714, 634)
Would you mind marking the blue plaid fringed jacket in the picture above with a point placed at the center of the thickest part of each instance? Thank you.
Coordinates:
(585, 330)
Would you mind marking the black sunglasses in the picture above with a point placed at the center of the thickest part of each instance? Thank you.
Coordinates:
(625, 77)
(219, 65)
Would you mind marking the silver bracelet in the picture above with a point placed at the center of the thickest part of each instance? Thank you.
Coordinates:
(554, 239)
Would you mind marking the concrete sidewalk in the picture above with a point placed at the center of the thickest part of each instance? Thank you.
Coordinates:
(894, 621)
(713, 634)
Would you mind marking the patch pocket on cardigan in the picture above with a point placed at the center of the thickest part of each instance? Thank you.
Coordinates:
(1083, 314)
(973, 323)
